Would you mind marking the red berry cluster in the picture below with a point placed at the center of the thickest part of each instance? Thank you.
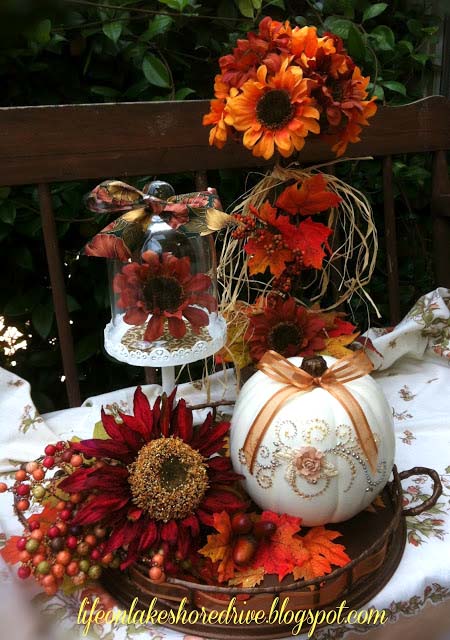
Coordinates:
(246, 226)
(290, 275)
(249, 535)
(52, 550)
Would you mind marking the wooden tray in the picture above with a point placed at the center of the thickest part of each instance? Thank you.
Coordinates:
(375, 541)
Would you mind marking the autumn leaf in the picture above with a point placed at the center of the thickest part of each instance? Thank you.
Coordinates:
(10, 553)
(337, 347)
(45, 518)
(341, 327)
(219, 548)
(248, 577)
(323, 553)
(312, 197)
(260, 259)
(236, 349)
(284, 550)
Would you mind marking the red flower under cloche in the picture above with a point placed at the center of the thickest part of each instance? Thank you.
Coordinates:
(156, 479)
(163, 287)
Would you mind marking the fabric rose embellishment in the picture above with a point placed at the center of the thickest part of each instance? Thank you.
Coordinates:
(308, 462)
(305, 463)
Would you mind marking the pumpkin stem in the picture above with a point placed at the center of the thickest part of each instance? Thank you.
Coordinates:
(314, 365)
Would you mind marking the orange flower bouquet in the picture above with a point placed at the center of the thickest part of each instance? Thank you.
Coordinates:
(281, 84)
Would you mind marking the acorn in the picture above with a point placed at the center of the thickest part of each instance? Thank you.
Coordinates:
(241, 523)
(263, 529)
(244, 549)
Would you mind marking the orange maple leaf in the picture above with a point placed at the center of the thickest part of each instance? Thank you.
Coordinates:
(323, 553)
(260, 259)
(219, 547)
(46, 517)
(284, 550)
(312, 197)
(248, 577)
(10, 553)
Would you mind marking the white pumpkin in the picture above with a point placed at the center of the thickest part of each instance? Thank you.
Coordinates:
(309, 463)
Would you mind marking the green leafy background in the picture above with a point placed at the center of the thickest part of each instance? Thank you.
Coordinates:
(130, 50)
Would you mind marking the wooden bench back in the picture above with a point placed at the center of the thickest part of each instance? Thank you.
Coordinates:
(43, 145)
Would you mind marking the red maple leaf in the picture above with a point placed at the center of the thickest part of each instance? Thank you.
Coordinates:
(309, 236)
(341, 328)
(312, 197)
(284, 550)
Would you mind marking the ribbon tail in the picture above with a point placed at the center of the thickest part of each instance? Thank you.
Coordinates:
(262, 422)
(359, 422)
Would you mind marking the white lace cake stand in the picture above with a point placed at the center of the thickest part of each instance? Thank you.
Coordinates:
(125, 343)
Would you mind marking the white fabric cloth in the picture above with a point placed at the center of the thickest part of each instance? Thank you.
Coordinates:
(413, 368)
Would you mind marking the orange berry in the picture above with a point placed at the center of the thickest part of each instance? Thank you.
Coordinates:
(90, 539)
(38, 558)
(58, 570)
(107, 558)
(3, 487)
(37, 534)
(62, 527)
(76, 460)
(50, 591)
(38, 474)
(63, 557)
(155, 573)
(22, 505)
(20, 475)
(61, 505)
(24, 556)
(75, 498)
(72, 568)
(158, 559)
(48, 580)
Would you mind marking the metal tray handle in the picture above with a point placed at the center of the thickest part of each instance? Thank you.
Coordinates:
(437, 489)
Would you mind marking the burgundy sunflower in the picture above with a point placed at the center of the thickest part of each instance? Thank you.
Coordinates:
(164, 288)
(155, 480)
(285, 327)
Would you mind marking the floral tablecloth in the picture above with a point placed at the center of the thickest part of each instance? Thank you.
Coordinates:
(413, 368)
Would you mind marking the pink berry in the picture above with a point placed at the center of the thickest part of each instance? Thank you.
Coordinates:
(50, 450)
(20, 544)
(71, 542)
(95, 554)
(65, 514)
(23, 572)
(48, 462)
(53, 532)
(35, 524)
(23, 489)
(60, 446)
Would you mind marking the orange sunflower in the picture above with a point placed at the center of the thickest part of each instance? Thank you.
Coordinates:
(274, 112)
(219, 132)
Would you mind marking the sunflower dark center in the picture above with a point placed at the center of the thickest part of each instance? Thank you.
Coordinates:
(274, 109)
(173, 473)
(163, 293)
(284, 335)
(168, 479)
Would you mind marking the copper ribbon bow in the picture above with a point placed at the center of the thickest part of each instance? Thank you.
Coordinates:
(296, 380)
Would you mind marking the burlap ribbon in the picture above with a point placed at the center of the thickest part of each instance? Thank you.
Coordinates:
(295, 381)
